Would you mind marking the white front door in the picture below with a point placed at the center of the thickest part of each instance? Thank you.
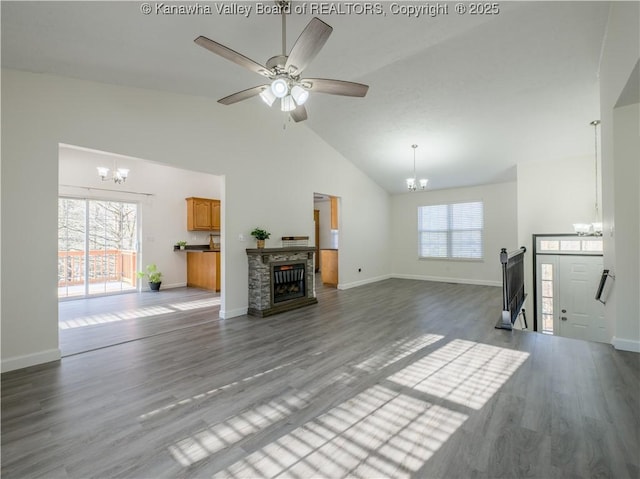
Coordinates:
(580, 315)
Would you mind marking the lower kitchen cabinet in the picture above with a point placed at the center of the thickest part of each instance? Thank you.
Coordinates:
(329, 266)
(203, 270)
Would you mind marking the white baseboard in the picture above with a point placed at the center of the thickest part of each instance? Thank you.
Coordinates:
(626, 344)
(355, 284)
(232, 313)
(19, 362)
(442, 279)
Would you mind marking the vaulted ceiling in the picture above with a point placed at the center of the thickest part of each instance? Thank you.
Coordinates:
(477, 93)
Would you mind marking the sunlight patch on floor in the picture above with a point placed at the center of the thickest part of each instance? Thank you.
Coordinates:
(196, 304)
(464, 372)
(218, 390)
(98, 319)
(385, 433)
(204, 443)
(137, 313)
(378, 433)
(396, 351)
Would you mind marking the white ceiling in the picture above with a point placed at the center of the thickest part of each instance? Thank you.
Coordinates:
(478, 94)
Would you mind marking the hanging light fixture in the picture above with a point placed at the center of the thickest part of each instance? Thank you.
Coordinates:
(594, 228)
(119, 175)
(412, 183)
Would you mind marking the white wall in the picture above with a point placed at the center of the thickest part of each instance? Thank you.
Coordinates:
(162, 216)
(626, 140)
(264, 168)
(552, 195)
(620, 54)
(499, 232)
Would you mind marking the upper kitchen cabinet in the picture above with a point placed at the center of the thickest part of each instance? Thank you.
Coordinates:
(334, 212)
(203, 214)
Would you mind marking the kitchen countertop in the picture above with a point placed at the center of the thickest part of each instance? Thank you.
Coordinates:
(197, 248)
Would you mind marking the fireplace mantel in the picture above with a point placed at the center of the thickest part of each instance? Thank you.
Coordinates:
(289, 249)
(261, 265)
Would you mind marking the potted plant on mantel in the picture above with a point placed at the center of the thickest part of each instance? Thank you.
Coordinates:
(154, 276)
(260, 235)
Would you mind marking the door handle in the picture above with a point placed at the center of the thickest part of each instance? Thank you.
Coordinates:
(564, 318)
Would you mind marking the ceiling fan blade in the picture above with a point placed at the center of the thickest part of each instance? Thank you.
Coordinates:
(242, 95)
(307, 46)
(299, 114)
(232, 55)
(335, 87)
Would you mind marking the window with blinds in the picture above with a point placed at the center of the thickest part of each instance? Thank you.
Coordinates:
(452, 231)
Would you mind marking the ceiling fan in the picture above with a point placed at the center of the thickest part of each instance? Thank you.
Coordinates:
(284, 71)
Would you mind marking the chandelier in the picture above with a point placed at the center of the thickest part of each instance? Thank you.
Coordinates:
(118, 176)
(412, 183)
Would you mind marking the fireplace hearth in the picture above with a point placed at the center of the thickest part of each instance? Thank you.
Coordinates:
(280, 279)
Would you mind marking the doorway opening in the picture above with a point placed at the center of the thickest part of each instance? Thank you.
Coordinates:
(327, 226)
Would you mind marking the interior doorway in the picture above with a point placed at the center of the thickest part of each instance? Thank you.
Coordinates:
(327, 220)
(567, 273)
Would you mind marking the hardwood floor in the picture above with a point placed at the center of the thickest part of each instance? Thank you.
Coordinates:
(93, 323)
(396, 379)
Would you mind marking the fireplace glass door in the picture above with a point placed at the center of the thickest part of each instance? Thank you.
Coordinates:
(288, 282)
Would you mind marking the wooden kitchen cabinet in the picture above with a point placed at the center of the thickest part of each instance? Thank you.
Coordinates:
(329, 266)
(203, 214)
(334, 212)
(203, 270)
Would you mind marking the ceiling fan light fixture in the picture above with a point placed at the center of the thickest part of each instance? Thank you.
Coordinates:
(299, 94)
(287, 103)
(280, 87)
(267, 96)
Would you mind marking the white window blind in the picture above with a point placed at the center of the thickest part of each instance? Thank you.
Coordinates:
(452, 231)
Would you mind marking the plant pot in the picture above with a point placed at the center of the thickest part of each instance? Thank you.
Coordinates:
(182, 247)
(260, 244)
(155, 286)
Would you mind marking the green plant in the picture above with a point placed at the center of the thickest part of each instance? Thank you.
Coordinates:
(260, 234)
(181, 243)
(152, 273)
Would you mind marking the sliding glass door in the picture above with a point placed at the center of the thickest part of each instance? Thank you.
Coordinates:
(96, 246)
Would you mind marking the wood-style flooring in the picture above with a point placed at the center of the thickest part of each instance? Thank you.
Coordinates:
(395, 379)
(97, 322)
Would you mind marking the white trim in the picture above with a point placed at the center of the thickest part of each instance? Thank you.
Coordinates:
(232, 313)
(626, 344)
(355, 284)
(19, 362)
(442, 279)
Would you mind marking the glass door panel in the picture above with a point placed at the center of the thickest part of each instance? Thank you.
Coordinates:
(71, 247)
(112, 239)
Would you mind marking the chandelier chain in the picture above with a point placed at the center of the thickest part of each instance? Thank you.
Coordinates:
(595, 124)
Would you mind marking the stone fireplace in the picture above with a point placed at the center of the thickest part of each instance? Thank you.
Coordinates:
(280, 279)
